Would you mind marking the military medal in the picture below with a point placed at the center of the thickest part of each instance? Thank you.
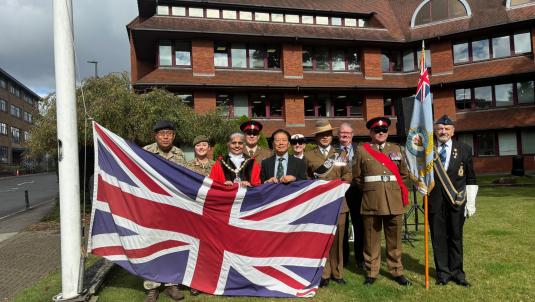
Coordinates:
(461, 171)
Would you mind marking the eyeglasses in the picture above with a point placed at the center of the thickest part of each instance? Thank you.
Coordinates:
(297, 141)
(380, 129)
(253, 133)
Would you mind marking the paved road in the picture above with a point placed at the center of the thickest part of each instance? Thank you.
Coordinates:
(41, 187)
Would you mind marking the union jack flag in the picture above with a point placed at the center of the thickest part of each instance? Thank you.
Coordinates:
(165, 223)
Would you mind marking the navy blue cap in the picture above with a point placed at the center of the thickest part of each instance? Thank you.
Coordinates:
(445, 120)
(163, 125)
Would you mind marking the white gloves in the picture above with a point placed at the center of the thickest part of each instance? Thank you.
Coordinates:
(471, 193)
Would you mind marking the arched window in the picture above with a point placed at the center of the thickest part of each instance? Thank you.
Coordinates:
(430, 11)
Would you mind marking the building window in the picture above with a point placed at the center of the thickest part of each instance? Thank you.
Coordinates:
(186, 99)
(15, 135)
(388, 104)
(238, 55)
(325, 59)
(480, 49)
(431, 11)
(16, 111)
(28, 117)
(221, 55)
(468, 139)
(230, 14)
(26, 136)
(391, 61)
(322, 20)
(522, 42)
(3, 105)
(486, 143)
(3, 128)
(336, 21)
(224, 103)
(212, 13)
(3, 83)
(3, 154)
(261, 16)
(165, 51)
(196, 12)
(528, 141)
(182, 53)
(265, 105)
(352, 22)
(305, 19)
(162, 10)
(289, 18)
(241, 56)
(178, 11)
(246, 15)
(347, 105)
(518, 2)
(277, 17)
(507, 144)
(499, 95)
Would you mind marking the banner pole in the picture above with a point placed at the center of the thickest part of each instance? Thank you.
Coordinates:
(426, 240)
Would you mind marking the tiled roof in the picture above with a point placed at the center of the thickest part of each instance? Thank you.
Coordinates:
(394, 15)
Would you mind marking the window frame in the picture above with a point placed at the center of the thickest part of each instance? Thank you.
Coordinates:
(423, 3)
(173, 44)
(264, 48)
(472, 103)
(267, 105)
(347, 55)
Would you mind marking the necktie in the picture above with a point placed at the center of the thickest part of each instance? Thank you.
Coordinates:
(442, 154)
(324, 152)
(280, 168)
(251, 153)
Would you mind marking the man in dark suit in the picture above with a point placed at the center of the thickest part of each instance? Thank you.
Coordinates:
(347, 150)
(282, 168)
(450, 201)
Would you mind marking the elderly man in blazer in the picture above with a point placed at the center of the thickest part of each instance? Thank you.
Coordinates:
(324, 162)
(379, 170)
(450, 201)
(281, 167)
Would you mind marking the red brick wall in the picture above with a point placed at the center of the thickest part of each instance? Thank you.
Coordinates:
(204, 101)
(533, 39)
(202, 53)
(371, 62)
(292, 58)
(373, 106)
(294, 110)
(441, 57)
(500, 164)
(496, 118)
(444, 103)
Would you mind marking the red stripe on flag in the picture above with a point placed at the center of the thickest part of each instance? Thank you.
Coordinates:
(284, 278)
(292, 203)
(138, 253)
(130, 164)
(307, 292)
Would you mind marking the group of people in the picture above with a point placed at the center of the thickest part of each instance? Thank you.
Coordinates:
(376, 171)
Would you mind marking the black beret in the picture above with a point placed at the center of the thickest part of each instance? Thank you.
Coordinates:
(378, 122)
(251, 125)
(163, 125)
(445, 120)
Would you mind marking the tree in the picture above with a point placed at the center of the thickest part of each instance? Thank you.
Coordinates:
(111, 102)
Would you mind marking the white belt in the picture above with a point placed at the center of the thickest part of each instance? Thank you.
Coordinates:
(383, 178)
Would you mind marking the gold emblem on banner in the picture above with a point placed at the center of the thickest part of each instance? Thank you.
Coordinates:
(461, 171)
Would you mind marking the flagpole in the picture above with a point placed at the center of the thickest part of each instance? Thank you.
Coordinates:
(68, 170)
(426, 240)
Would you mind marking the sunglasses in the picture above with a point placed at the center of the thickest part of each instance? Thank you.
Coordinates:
(254, 133)
(380, 129)
(297, 141)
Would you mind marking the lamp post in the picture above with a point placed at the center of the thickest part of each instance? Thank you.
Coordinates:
(96, 67)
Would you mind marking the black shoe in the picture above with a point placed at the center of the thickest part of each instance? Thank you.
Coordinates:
(442, 281)
(369, 281)
(401, 280)
(324, 282)
(340, 281)
(462, 282)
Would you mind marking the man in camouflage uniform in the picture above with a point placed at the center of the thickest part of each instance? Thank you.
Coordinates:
(201, 164)
(164, 135)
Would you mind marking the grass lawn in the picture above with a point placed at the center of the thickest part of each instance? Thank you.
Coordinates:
(499, 263)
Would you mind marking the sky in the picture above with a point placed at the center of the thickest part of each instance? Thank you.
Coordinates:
(27, 44)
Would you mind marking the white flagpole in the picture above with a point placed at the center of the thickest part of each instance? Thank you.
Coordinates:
(69, 184)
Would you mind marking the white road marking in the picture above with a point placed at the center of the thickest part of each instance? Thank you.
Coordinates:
(26, 182)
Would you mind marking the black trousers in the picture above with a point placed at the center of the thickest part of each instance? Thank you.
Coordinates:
(446, 224)
(354, 200)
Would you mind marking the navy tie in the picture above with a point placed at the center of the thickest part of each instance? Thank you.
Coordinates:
(442, 154)
(280, 169)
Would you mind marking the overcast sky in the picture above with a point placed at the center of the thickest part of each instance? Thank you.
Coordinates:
(27, 46)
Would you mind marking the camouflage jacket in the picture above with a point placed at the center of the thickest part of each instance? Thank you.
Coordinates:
(203, 169)
(175, 154)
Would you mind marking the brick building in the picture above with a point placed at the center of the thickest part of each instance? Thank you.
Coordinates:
(288, 63)
(18, 108)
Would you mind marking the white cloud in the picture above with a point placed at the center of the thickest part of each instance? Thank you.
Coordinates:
(26, 47)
